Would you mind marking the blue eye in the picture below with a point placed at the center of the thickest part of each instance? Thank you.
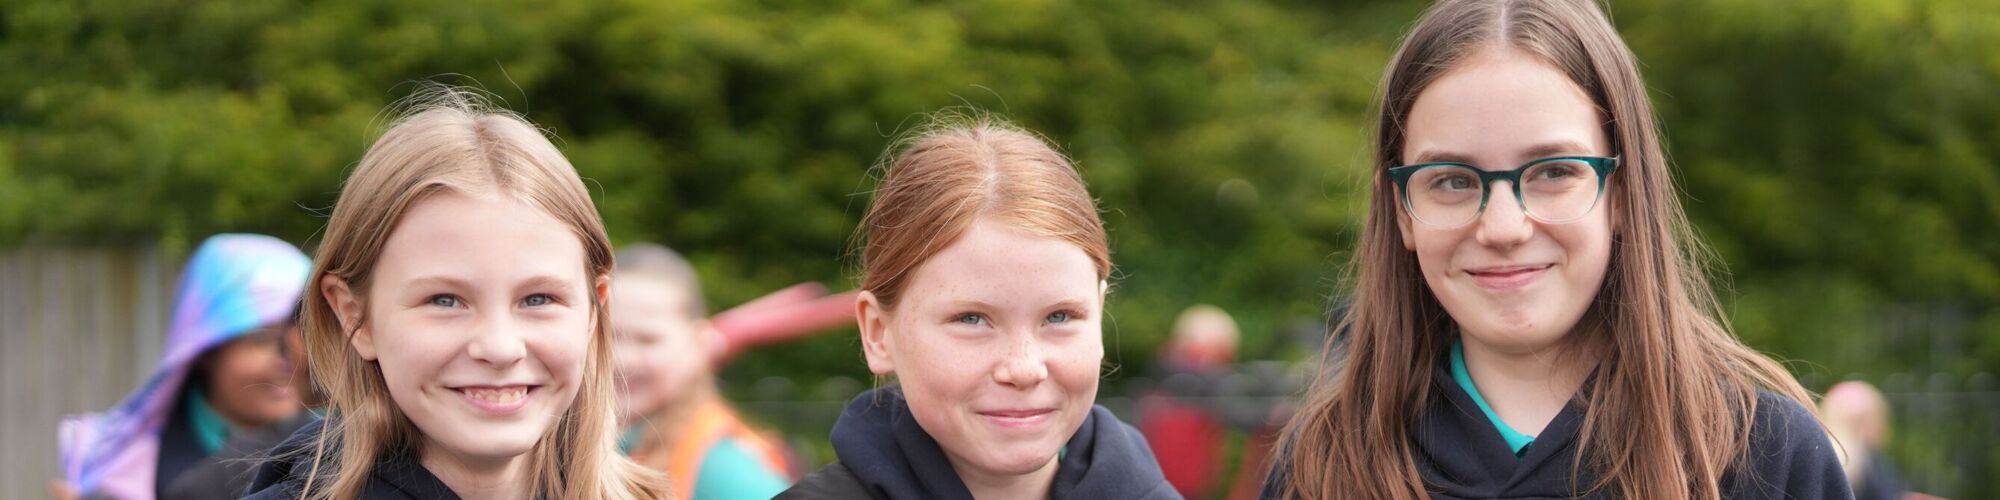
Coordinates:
(442, 300)
(971, 319)
(539, 299)
(1058, 317)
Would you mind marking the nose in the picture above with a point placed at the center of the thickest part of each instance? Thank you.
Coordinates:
(1505, 222)
(1024, 365)
(498, 343)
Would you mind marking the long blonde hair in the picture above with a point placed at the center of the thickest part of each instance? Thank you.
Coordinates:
(452, 141)
(1671, 406)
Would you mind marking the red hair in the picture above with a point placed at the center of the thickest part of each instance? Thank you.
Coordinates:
(951, 175)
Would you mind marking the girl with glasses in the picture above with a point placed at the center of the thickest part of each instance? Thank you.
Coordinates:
(1531, 315)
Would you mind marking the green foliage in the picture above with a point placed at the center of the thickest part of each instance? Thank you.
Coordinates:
(1840, 155)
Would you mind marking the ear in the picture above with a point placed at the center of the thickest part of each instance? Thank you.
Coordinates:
(875, 338)
(602, 288)
(347, 309)
(1403, 223)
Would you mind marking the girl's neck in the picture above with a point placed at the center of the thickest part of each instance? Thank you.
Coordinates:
(1527, 389)
(986, 486)
(478, 479)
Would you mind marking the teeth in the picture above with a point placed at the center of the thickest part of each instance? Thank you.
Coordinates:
(497, 394)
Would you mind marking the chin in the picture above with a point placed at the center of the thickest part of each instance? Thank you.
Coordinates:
(1017, 467)
(1516, 337)
(1019, 459)
(490, 449)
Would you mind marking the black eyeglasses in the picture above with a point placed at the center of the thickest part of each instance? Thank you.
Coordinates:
(1556, 190)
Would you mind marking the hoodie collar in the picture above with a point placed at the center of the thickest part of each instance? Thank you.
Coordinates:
(879, 441)
(1460, 450)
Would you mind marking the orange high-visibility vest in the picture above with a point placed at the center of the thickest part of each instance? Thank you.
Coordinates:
(711, 422)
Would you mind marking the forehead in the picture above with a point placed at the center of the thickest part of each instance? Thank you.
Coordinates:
(1501, 105)
(480, 237)
(998, 264)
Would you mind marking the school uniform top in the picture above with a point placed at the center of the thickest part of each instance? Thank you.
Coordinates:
(1460, 453)
(396, 477)
(885, 455)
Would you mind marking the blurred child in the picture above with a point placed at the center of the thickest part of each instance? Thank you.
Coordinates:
(1186, 435)
(1858, 417)
(674, 415)
(220, 375)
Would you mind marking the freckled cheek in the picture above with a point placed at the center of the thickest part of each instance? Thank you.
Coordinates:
(948, 370)
(1076, 368)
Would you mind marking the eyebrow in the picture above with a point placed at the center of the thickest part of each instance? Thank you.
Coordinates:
(1543, 150)
(543, 281)
(438, 280)
(546, 281)
(1073, 302)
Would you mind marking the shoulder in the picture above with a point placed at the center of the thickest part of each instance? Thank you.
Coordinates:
(1790, 454)
(1781, 424)
(831, 482)
(275, 492)
(279, 475)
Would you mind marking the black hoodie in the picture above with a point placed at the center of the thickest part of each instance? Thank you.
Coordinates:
(1459, 454)
(396, 477)
(885, 455)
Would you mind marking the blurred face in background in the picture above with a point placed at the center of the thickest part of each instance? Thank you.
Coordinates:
(661, 348)
(249, 381)
(997, 342)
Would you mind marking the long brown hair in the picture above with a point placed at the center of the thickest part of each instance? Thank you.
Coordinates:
(1674, 391)
(450, 141)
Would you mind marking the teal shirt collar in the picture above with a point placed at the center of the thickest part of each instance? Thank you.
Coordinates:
(209, 428)
(629, 440)
(1515, 439)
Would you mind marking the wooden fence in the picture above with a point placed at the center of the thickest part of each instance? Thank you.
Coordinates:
(79, 328)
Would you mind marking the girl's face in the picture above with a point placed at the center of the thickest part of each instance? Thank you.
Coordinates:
(479, 317)
(997, 342)
(1512, 283)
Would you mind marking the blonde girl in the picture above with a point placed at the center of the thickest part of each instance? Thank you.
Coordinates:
(457, 324)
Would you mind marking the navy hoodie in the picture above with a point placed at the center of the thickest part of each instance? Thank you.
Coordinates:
(1459, 454)
(396, 477)
(885, 455)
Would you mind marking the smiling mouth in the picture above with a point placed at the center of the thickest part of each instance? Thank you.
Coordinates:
(1508, 277)
(496, 400)
(1019, 419)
